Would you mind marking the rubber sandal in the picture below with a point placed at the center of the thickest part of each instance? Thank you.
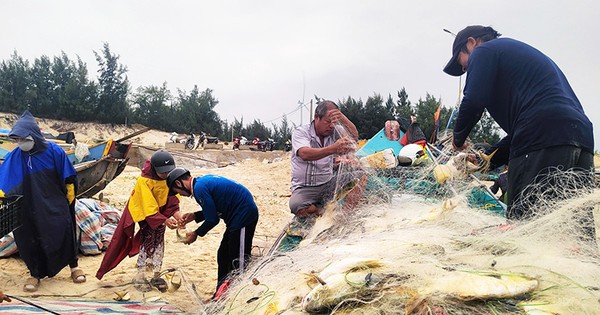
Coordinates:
(31, 284)
(160, 284)
(78, 276)
(174, 283)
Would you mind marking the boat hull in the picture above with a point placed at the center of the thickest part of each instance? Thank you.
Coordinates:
(93, 176)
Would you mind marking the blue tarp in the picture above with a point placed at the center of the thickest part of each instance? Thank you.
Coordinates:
(379, 142)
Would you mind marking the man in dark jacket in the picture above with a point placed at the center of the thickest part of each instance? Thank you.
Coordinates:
(530, 98)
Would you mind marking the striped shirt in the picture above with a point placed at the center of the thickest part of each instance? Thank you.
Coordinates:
(310, 173)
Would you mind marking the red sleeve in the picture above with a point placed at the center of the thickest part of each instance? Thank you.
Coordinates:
(170, 207)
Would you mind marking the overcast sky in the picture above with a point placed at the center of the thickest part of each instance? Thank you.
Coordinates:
(261, 58)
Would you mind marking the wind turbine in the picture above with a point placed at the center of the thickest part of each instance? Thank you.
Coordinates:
(301, 104)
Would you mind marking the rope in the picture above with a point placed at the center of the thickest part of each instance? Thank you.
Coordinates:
(32, 304)
(82, 294)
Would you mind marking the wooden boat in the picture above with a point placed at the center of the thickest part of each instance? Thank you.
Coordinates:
(6, 147)
(6, 144)
(93, 176)
(97, 151)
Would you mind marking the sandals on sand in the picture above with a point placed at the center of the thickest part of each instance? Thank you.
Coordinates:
(78, 276)
(160, 284)
(31, 285)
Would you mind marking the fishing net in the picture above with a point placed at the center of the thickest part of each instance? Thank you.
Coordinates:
(413, 245)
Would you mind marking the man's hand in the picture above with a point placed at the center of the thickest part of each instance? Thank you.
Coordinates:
(187, 218)
(335, 115)
(343, 145)
(473, 159)
(171, 223)
(3, 298)
(190, 237)
(464, 146)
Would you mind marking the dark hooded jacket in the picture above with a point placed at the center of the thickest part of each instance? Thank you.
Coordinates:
(46, 238)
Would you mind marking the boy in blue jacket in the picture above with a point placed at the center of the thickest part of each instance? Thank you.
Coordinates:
(220, 198)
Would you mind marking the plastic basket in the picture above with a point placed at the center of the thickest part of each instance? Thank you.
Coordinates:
(10, 214)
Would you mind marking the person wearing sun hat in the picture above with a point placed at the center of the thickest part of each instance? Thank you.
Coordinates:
(530, 98)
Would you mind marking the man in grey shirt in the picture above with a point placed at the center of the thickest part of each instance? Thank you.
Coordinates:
(314, 148)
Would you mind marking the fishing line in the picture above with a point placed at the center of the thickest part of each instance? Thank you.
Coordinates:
(32, 304)
(82, 294)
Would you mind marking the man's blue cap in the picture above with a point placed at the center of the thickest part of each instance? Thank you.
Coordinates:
(453, 68)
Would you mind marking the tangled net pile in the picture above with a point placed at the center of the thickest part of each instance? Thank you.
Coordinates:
(413, 246)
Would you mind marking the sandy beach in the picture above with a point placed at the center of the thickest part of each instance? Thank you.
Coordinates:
(266, 176)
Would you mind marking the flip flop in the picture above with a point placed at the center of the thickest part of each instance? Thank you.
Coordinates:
(31, 284)
(78, 276)
(174, 283)
(160, 284)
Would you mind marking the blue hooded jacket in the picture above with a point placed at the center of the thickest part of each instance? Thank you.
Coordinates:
(46, 238)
